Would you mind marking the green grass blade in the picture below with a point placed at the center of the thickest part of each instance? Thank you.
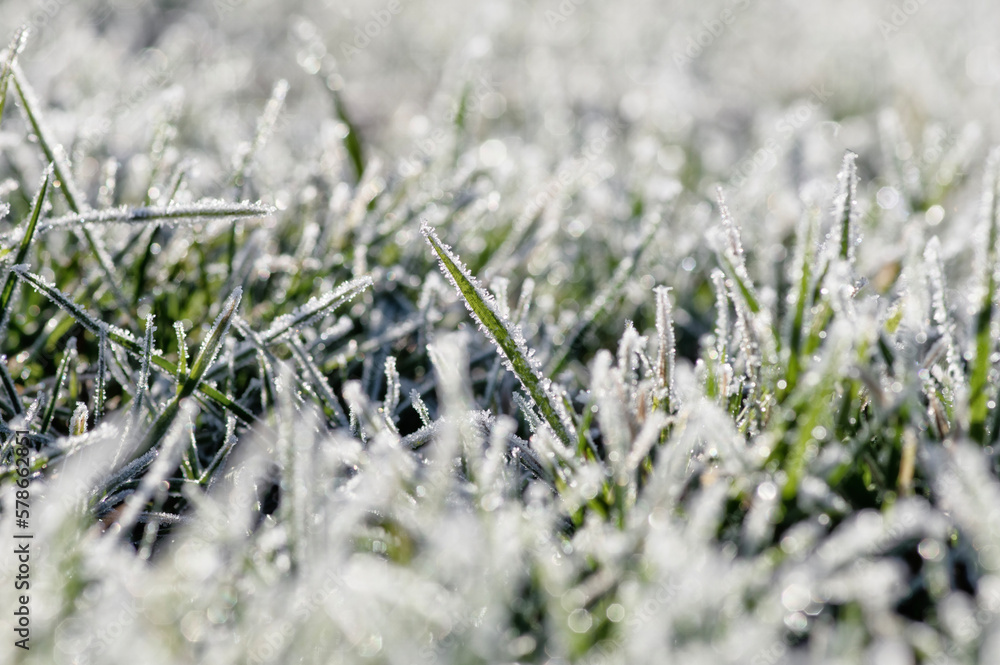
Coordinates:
(352, 139)
(210, 348)
(8, 385)
(205, 210)
(56, 155)
(50, 409)
(143, 383)
(13, 50)
(54, 152)
(505, 336)
(315, 308)
(979, 382)
(803, 272)
(22, 250)
(845, 205)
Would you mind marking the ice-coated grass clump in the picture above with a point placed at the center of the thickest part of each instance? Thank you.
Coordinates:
(501, 333)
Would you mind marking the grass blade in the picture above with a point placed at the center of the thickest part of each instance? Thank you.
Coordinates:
(318, 383)
(143, 382)
(845, 206)
(204, 210)
(802, 272)
(265, 127)
(505, 336)
(8, 385)
(315, 308)
(22, 250)
(55, 154)
(50, 409)
(17, 43)
(666, 348)
(212, 344)
(979, 382)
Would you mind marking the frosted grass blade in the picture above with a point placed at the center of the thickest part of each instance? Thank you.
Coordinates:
(182, 350)
(666, 347)
(78, 421)
(979, 382)
(212, 344)
(54, 151)
(206, 209)
(244, 159)
(845, 207)
(17, 43)
(506, 337)
(314, 309)
(22, 250)
(56, 155)
(318, 383)
(265, 127)
(393, 387)
(50, 408)
(166, 461)
(143, 383)
(733, 259)
(8, 385)
(802, 272)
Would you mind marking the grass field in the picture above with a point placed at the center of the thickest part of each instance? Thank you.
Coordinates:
(557, 332)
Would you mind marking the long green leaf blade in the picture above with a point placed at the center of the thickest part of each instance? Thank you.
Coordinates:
(979, 382)
(50, 409)
(505, 336)
(22, 250)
